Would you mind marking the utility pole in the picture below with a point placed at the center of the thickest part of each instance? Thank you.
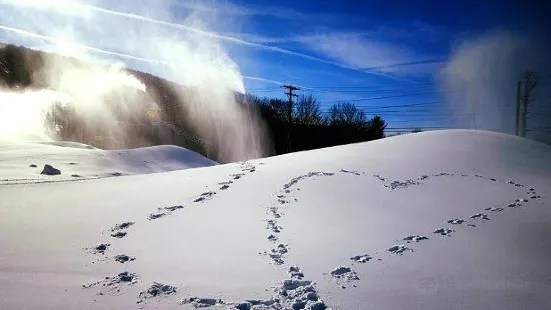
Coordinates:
(530, 83)
(517, 121)
(289, 93)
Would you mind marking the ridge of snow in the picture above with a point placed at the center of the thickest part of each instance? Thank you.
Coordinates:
(338, 225)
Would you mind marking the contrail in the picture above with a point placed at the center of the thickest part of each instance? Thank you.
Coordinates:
(77, 45)
(216, 36)
(253, 78)
(188, 28)
(405, 64)
(106, 52)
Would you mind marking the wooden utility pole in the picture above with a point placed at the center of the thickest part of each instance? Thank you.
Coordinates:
(289, 93)
(530, 83)
(517, 121)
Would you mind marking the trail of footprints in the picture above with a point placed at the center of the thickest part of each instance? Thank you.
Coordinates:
(345, 274)
(401, 249)
(114, 285)
(295, 292)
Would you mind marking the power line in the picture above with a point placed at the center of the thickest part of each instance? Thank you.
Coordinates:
(383, 97)
(407, 105)
(351, 88)
(355, 87)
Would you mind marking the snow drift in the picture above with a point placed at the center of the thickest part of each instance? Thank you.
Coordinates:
(23, 162)
(436, 220)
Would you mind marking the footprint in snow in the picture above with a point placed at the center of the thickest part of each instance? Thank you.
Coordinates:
(398, 249)
(351, 172)
(33, 166)
(272, 225)
(522, 200)
(494, 209)
(415, 238)
(274, 212)
(123, 258)
(344, 273)
(444, 231)
(156, 290)
(119, 234)
(277, 254)
(171, 208)
(238, 176)
(401, 184)
(100, 248)
(380, 178)
(122, 226)
(514, 205)
(155, 216)
(204, 196)
(224, 187)
(480, 216)
(363, 258)
(272, 238)
(292, 293)
(295, 273)
(126, 277)
(198, 302)
(456, 221)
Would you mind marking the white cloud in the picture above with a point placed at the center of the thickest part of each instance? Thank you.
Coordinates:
(360, 52)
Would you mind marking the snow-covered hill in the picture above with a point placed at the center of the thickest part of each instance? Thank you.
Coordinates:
(439, 220)
(24, 162)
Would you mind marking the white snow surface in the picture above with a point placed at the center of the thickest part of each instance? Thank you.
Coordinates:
(80, 161)
(207, 244)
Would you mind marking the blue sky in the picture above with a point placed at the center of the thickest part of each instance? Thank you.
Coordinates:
(381, 55)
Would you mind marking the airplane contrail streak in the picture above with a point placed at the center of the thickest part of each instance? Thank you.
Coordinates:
(215, 36)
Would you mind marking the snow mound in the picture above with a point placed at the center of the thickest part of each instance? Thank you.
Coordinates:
(288, 232)
(80, 161)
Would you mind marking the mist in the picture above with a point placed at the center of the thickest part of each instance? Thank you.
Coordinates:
(186, 57)
(479, 82)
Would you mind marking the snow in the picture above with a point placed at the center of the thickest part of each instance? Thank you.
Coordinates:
(25, 162)
(335, 214)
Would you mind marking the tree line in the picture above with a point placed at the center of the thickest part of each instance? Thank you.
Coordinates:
(311, 128)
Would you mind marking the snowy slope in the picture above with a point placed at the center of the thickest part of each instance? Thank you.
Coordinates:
(350, 207)
(79, 161)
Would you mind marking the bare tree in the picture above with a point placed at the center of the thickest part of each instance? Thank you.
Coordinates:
(308, 111)
(346, 113)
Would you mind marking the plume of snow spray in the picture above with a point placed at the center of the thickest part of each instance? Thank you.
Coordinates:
(480, 79)
(187, 57)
